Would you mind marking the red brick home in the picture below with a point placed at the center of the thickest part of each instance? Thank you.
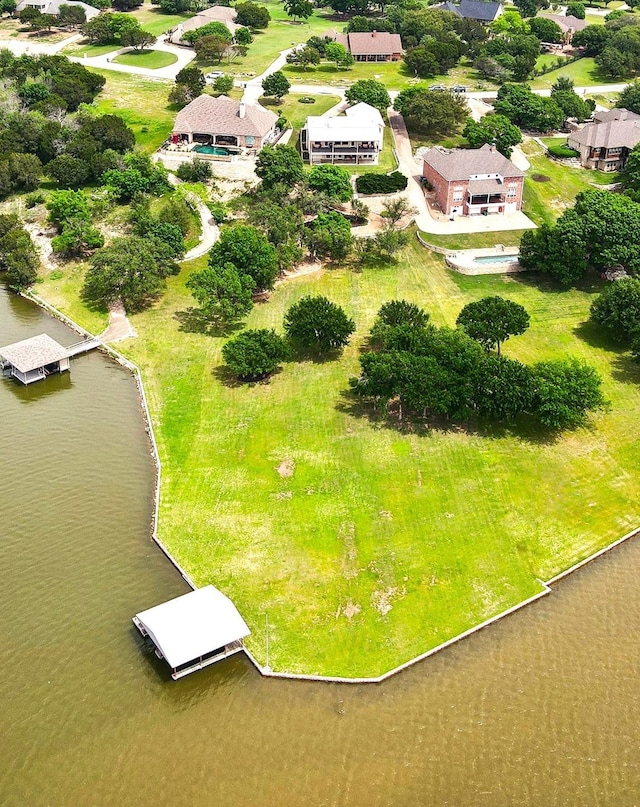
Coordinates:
(472, 182)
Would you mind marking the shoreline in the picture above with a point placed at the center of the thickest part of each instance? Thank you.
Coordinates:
(266, 671)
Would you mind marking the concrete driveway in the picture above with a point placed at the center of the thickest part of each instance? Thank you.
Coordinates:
(184, 57)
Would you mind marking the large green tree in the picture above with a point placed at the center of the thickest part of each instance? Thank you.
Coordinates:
(252, 15)
(318, 324)
(255, 354)
(298, 9)
(564, 391)
(333, 180)
(279, 165)
(434, 113)
(492, 320)
(496, 129)
(370, 92)
(276, 85)
(224, 294)
(249, 251)
(617, 308)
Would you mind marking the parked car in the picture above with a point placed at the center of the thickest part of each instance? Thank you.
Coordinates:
(437, 87)
(211, 77)
(458, 88)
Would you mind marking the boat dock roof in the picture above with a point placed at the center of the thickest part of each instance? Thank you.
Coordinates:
(193, 625)
(38, 351)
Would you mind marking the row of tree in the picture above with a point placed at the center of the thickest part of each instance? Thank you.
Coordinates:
(18, 257)
(615, 45)
(418, 370)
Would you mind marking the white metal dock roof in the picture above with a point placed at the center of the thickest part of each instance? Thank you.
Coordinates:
(38, 351)
(193, 625)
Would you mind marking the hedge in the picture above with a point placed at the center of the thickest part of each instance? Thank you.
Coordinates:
(562, 152)
(381, 183)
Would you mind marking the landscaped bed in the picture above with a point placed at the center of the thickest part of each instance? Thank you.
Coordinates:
(367, 543)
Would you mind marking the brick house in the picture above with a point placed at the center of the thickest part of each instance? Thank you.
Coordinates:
(471, 182)
(606, 142)
(371, 46)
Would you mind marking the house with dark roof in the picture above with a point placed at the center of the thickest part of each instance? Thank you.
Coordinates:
(233, 125)
(605, 142)
(484, 11)
(371, 46)
(472, 182)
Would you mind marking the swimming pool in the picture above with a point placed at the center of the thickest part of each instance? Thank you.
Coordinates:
(496, 259)
(217, 150)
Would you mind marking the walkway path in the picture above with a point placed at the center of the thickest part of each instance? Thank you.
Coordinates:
(119, 327)
(210, 232)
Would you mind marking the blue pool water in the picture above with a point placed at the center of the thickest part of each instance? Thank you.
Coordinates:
(496, 259)
(221, 152)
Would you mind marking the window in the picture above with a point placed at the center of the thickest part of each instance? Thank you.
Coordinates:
(458, 194)
(512, 191)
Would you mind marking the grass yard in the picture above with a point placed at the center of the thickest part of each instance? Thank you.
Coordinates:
(365, 544)
(510, 238)
(151, 59)
(297, 113)
(545, 201)
(62, 289)
(82, 50)
(142, 103)
(280, 35)
(153, 20)
(582, 72)
(393, 75)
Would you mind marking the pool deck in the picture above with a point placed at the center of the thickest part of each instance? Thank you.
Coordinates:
(464, 261)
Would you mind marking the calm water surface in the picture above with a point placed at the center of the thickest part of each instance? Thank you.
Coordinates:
(543, 709)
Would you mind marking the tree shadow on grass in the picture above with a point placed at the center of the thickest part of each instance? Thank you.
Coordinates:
(229, 379)
(623, 367)
(300, 354)
(524, 428)
(194, 320)
(589, 284)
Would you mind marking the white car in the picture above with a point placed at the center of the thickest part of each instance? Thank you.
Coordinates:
(211, 77)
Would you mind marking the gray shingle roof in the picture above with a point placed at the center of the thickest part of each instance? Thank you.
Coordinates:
(29, 354)
(609, 134)
(614, 114)
(221, 116)
(460, 164)
(222, 14)
(482, 10)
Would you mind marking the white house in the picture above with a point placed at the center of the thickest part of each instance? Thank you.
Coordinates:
(355, 137)
(53, 7)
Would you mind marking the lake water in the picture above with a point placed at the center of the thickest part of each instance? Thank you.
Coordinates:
(541, 709)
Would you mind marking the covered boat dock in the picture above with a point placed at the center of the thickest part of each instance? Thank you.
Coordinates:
(39, 356)
(193, 631)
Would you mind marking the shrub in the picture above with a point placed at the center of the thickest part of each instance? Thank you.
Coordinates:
(381, 183)
(33, 199)
(196, 171)
(562, 152)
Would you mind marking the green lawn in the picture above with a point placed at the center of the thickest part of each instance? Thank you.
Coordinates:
(151, 59)
(64, 293)
(142, 103)
(510, 238)
(280, 35)
(583, 73)
(297, 113)
(85, 49)
(153, 20)
(545, 201)
(393, 75)
(299, 506)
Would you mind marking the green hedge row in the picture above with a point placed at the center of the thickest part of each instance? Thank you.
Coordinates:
(562, 152)
(381, 183)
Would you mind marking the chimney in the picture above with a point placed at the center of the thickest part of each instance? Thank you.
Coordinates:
(242, 111)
